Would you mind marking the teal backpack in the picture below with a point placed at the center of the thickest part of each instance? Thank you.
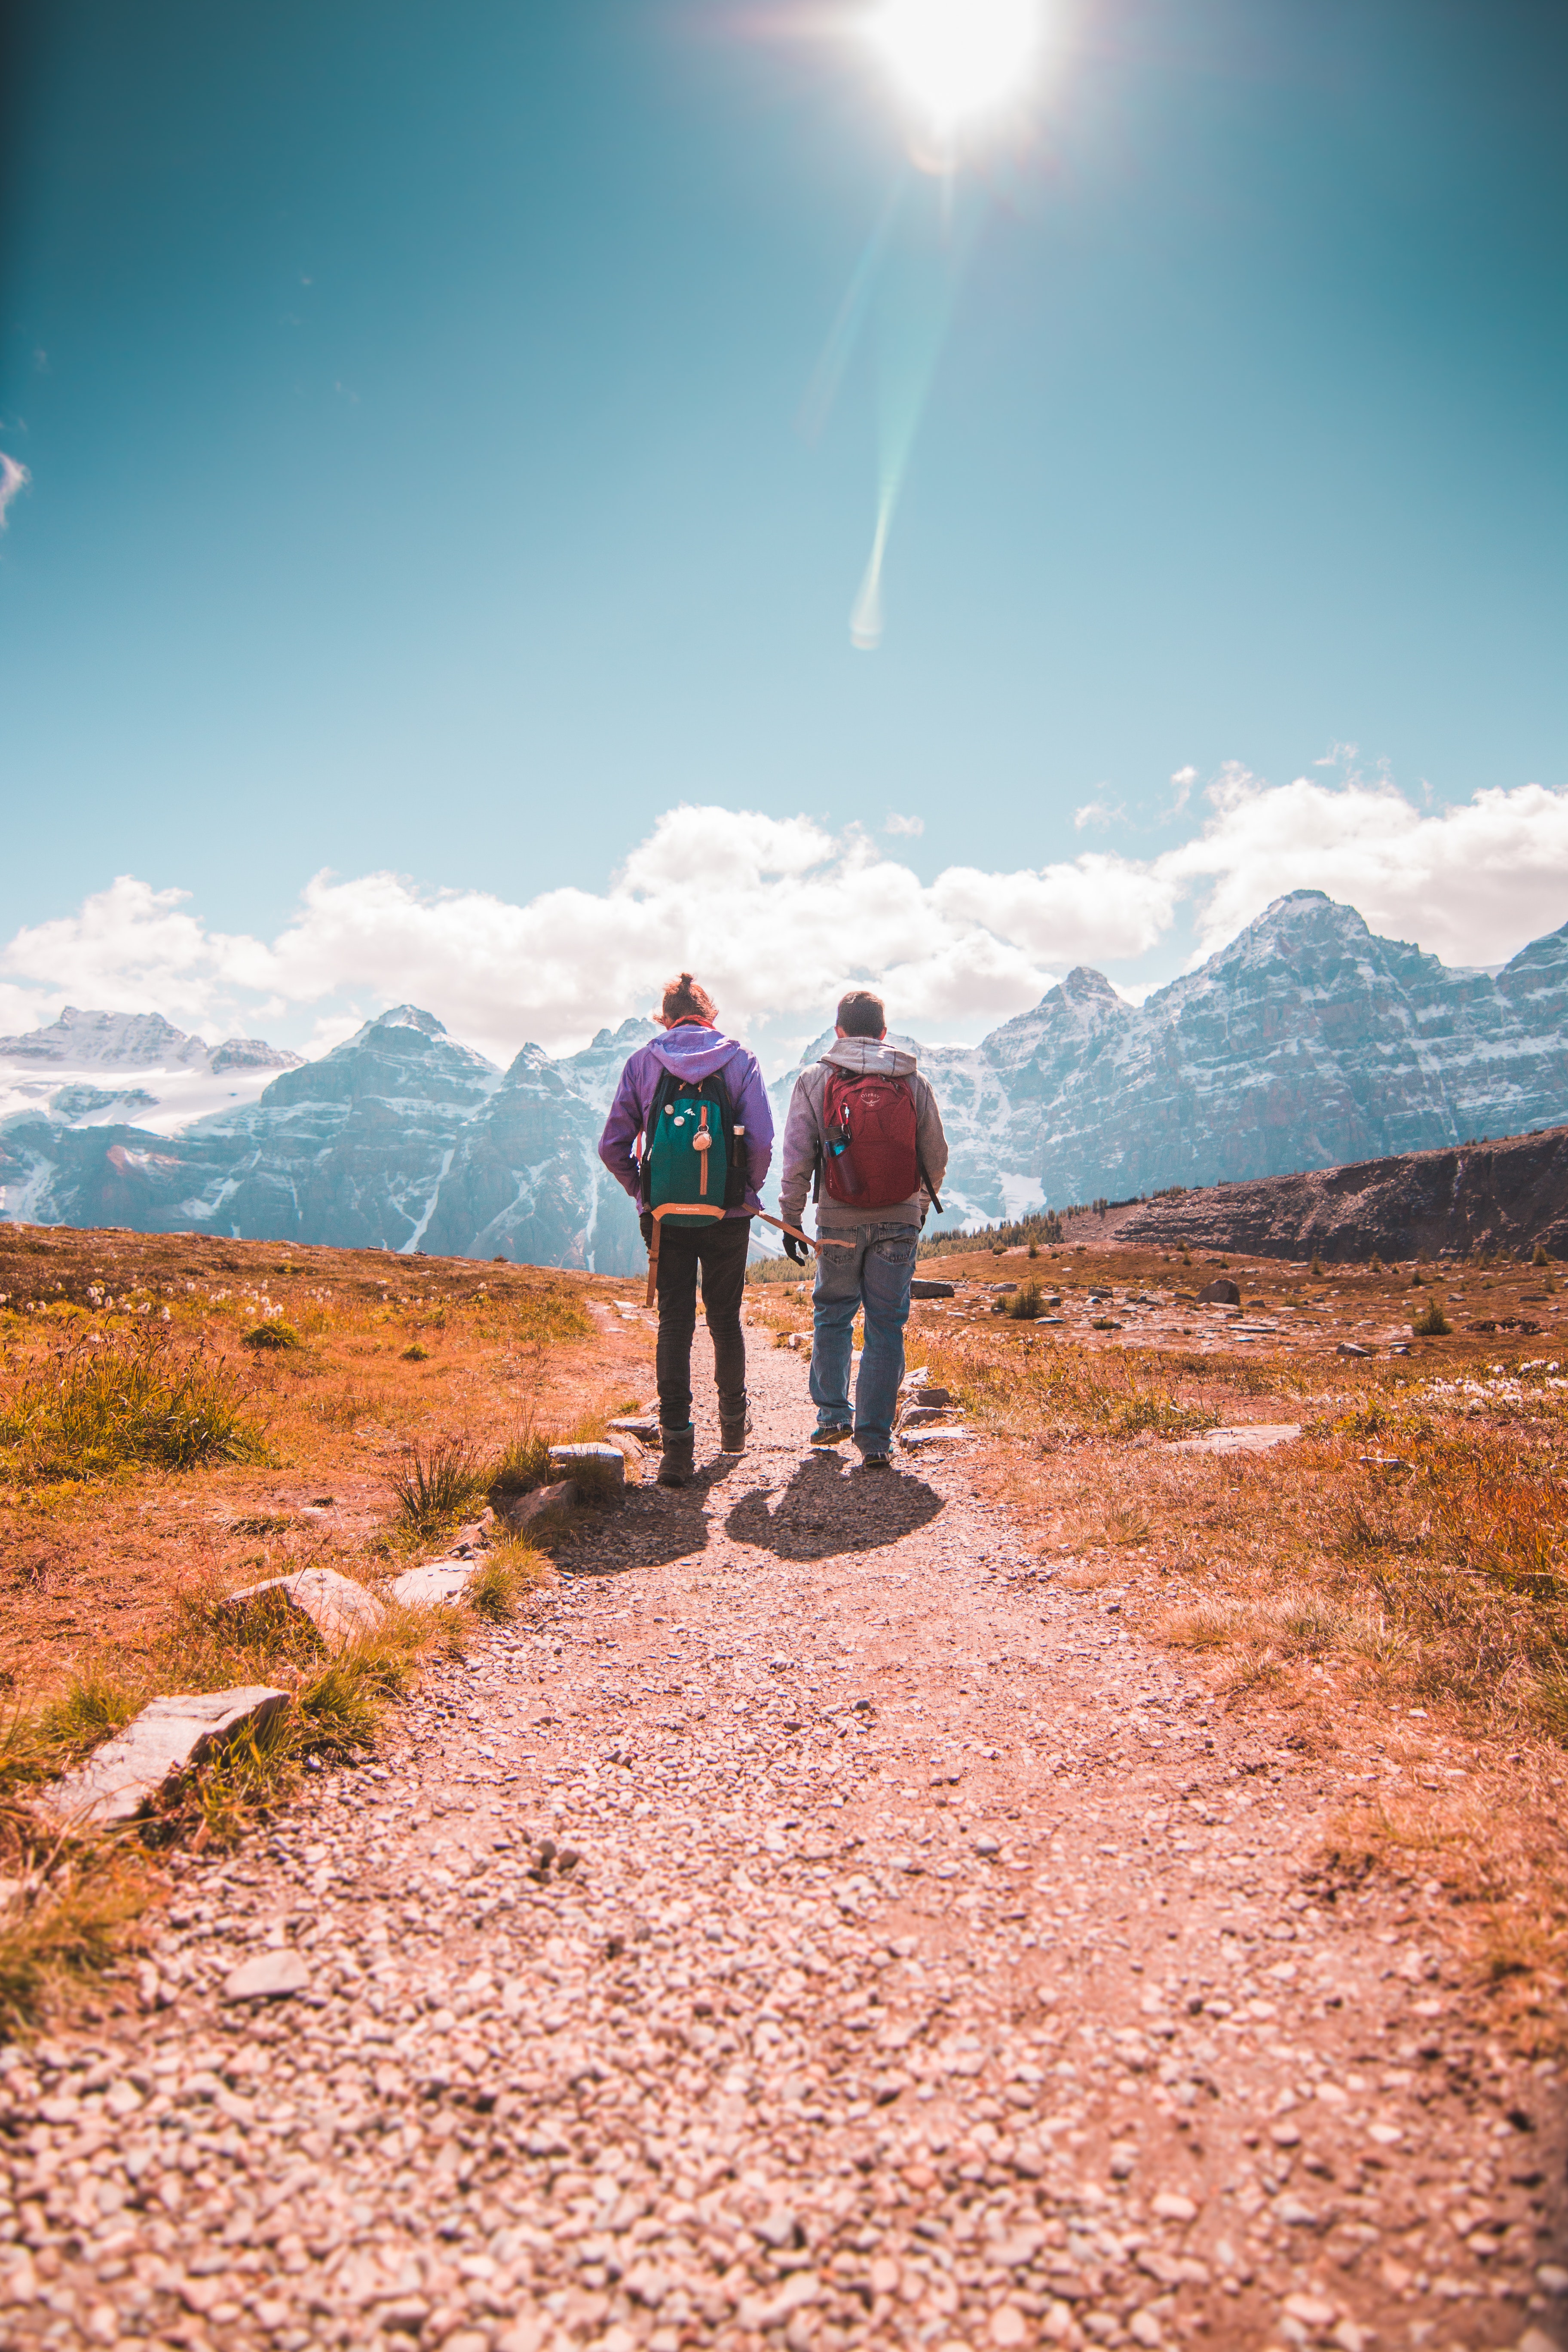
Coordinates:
(691, 1169)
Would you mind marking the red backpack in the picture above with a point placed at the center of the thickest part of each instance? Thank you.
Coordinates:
(870, 1158)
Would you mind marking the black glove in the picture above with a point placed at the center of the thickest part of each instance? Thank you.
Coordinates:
(645, 1226)
(795, 1249)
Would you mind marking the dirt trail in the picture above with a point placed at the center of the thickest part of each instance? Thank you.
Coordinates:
(935, 1969)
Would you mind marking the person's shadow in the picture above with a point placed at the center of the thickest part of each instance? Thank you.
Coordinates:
(826, 1509)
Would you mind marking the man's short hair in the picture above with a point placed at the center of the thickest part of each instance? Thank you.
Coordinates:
(861, 1015)
(685, 999)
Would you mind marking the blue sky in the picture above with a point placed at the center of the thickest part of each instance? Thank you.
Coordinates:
(410, 402)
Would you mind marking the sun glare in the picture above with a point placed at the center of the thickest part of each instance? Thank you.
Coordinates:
(957, 59)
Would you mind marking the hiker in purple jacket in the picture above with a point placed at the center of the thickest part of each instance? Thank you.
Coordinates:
(692, 1048)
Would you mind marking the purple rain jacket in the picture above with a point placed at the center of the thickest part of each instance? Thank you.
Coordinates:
(691, 1052)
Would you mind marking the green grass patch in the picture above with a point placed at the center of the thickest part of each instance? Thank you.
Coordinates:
(135, 1400)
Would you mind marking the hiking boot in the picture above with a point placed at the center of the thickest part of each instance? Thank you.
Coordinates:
(875, 1462)
(834, 1435)
(733, 1435)
(678, 1460)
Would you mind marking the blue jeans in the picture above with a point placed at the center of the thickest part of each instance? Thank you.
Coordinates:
(875, 1272)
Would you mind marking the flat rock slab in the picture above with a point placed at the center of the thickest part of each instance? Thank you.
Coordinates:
(339, 1608)
(642, 1426)
(169, 1737)
(933, 1436)
(598, 1462)
(522, 1513)
(930, 1290)
(1251, 1437)
(270, 1976)
(435, 1583)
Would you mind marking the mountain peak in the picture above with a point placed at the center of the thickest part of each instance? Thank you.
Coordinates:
(409, 1016)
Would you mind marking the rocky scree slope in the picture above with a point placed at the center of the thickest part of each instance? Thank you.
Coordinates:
(1489, 1196)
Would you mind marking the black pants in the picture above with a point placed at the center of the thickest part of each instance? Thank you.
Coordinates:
(721, 1248)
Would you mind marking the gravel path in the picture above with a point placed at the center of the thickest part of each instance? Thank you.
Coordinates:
(811, 1927)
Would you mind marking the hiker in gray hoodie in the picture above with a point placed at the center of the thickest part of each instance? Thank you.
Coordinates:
(866, 1256)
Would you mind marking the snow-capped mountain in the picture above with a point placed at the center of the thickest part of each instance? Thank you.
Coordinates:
(72, 1070)
(1307, 1042)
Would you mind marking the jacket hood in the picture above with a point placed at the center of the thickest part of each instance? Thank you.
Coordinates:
(863, 1053)
(691, 1052)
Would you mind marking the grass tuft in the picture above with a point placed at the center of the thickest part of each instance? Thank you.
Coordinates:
(60, 1931)
(510, 1572)
(90, 1411)
(436, 1482)
(1431, 1323)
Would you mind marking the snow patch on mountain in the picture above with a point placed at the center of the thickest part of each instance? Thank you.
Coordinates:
(60, 1071)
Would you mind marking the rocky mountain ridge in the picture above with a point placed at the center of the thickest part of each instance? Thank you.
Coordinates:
(1308, 1043)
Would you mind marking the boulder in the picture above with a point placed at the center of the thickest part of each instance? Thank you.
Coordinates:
(644, 1427)
(521, 1510)
(919, 1289)
(1221, 1292)
(339, 1608)
(593, 1467)
(168, 1739)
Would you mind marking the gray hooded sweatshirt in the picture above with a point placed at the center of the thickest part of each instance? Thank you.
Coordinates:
(804, 1135)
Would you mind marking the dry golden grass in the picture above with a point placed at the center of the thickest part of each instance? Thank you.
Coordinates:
(1391, 1591)
(159, 1448)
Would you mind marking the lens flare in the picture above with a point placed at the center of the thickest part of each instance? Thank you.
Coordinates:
(956, 60)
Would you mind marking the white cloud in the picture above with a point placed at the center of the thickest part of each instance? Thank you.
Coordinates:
(1182, 781)
(1472, 882)
(912, 825)
(778, 915)
(1098, 812)
(13, 478)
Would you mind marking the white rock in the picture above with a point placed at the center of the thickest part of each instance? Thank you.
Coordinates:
(270, 1976)
(168, 1738)
(1250, 1437)
(339, 1608)
(1170, 2205)
(437, 1580)
(606, 1462)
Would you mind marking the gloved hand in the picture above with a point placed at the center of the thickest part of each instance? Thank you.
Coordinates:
(645, 1227)
(795, 1249)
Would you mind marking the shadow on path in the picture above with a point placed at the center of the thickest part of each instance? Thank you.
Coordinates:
(825, 1510)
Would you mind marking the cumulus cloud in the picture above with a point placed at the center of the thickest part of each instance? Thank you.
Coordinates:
(779, 914)
(13, 478)
(1472, 881)
(912, 825)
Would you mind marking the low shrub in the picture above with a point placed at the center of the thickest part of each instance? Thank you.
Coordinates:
(1431, 1323)
(277, 1333)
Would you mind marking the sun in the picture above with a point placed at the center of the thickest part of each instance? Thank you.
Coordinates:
(958, 59)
